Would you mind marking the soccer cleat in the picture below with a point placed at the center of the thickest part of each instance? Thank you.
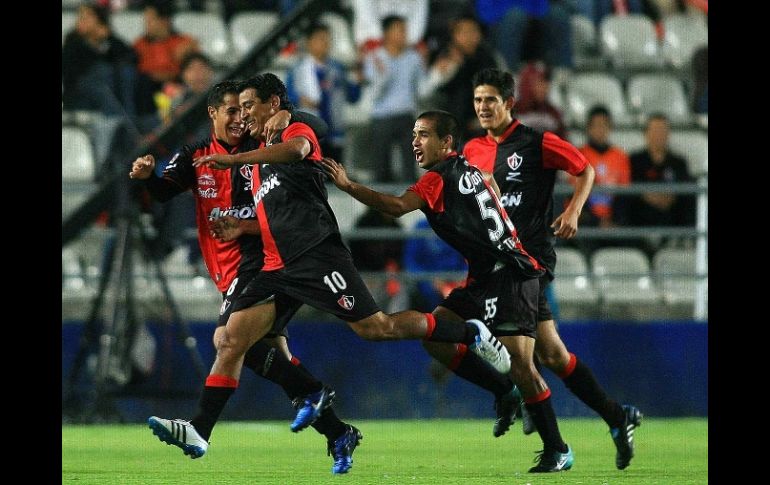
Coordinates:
(342, 449)
(489, 348)
(553, 461)
(179, 433)
(527, 423)
(310, 407)
(624, 436)
(506, 407)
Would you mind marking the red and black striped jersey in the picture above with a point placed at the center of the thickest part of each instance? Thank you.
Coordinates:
(218, 193)
(291, 202)
(524, 164)
(465, 212)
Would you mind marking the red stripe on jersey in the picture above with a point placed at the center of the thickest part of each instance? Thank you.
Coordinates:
(561, 155)
(460, 351)
(539, 397)
(216, 380)
(481, 152)
(273, 260)
(301, 129)
(430, 188)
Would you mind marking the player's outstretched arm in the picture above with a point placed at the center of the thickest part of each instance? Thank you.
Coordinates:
(389, 204)
(566, 225)
(292, 150)
(142, 168)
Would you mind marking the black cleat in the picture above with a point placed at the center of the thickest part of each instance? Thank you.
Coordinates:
(553, 461)
(507, 407)
(624, 436)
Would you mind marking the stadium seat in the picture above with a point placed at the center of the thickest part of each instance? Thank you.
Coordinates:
(247, 28)
(629, 42)
(197, 297)
(210, 31)
(128, 25)
(629, 140)
(77, 155)
(346, 209)
(68, 20)
(675, 272)
(342, 48)
(584, 91)
(622, 275)
(694, 146)
(584, 50)
(658, 93)
(683, 35)
(573, 283)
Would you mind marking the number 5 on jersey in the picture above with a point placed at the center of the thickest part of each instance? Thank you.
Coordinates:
(490, 308)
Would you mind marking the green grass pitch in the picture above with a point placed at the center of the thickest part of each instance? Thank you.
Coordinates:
(668, 451)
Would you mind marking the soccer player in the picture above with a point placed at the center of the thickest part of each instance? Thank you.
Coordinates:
(462, 206)
(232, 263)
(305, 260)
(524, 163)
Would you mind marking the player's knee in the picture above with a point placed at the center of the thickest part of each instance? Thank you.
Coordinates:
(553, 358)
(230, 346)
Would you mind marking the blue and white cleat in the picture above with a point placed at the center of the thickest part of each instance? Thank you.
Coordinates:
(179, 433)
(553, 461)
(623, 437)
(489, 348)
(342, 449)
(310, 407)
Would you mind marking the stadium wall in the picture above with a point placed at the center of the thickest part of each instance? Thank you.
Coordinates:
(660, 366)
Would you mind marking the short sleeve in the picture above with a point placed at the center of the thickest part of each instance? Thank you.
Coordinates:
(301, 129)
(430, 188)
(561, 155)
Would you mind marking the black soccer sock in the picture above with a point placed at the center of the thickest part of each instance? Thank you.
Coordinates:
(470, 367)
(271, 364)
(541, 411)
(329, 425)
(453, 332)
(581, 381)
(216, 392)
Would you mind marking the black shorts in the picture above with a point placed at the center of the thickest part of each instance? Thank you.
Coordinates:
(508, 305)
(285, 307)
(543, 307)
(324, 277)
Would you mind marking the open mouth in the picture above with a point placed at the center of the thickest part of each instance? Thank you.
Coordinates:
(235, 129)
(418, 155)
(485, 117)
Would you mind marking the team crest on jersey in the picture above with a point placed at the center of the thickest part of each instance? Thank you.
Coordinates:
(245, 171)
(346, 302)
(514, 161)
(206, 180)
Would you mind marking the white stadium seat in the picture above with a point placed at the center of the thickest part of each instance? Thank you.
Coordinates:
(584, 48)
(622, 275)
(247, 28)
(68, 20)
(342, 48)
(584, 91)
(210, 32)
(573, 282)
(661, 93)
(128, 25)
(675, 271)
(693, 145)
(683, 35)
(629, 42)
(77, 155)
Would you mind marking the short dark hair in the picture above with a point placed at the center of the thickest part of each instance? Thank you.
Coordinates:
(217, 93)
(102, 12)
(390, 20)
(191, 57)
(502, 80)
(446, 124)
(317, 27)
(598, 110)
(266, 85)
(164, 8)
(655, 116)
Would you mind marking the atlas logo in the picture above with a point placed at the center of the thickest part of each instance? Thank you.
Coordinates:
(468, 182)
(511, 200)
(245, 171)
(269, 184)
(514, 161)
(241, 212)
(210, 193)
(206, 180)
(346, 302)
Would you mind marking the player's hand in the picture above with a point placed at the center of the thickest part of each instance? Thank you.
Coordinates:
(336, 172)
(276, 123)
(566, 225)
(225, 229)
(142, 167)
(220, 161)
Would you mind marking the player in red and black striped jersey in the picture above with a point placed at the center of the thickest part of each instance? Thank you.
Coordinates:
(233, 261)
(462, 206)
(524, 162)
(305, 258)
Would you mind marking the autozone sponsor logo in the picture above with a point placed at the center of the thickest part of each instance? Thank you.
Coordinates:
(241, 212)
(210, 193)
(267, 185)
(468, 182)
(511, 199)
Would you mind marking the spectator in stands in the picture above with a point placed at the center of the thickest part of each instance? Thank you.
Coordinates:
(160, 52)
(427, 255)
(700, 71)
(449, 78)
(394, 72)
(530, 29)
(656, 163)
(369, 16)
(320, 85)
(197, 77)
(532, 106)
(98, 69)
(610, 163)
